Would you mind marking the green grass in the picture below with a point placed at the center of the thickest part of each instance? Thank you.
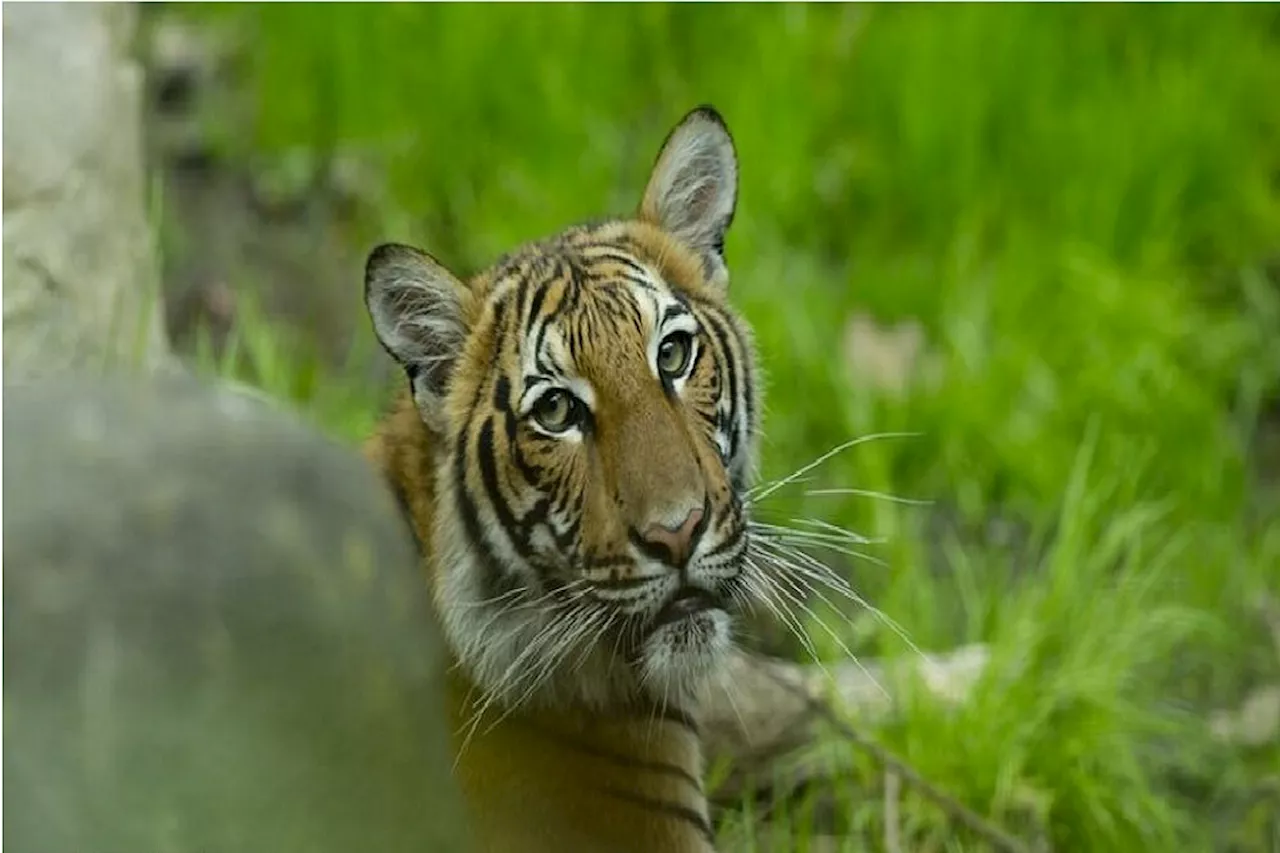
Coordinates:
(1075, 204)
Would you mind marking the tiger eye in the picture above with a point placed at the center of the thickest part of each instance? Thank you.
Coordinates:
(674, 353)
(556, 410)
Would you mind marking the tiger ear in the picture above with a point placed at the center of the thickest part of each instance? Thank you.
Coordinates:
(418, 309)
(694, 186)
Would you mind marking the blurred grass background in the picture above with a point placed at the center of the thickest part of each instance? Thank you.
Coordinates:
(1047, 239)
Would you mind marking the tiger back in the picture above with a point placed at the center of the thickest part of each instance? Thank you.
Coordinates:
(573, 448)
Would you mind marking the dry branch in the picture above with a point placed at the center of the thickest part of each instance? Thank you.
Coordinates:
(771, 711)
(766, 709)
(774, 708)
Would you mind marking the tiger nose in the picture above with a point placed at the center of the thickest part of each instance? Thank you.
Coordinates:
(678, 541)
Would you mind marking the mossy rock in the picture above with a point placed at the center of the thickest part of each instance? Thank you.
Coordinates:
(215, 634)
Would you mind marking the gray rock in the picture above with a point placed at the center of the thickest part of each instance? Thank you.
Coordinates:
(215, 634)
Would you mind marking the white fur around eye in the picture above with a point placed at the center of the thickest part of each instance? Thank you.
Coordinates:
(573, 435)
(580, 390)
(556, 351)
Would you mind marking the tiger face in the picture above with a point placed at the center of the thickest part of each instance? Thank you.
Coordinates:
(592, 403)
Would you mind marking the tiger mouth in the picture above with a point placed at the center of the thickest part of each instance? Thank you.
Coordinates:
(687, 602)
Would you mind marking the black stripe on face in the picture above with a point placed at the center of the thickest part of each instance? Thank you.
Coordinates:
(522, 297)
(482, 446)
(502, 395)
(535, 306)
(608, 562)
(565, 541)
(748, 379)
(679, 309)
(746, 423)
(667, 808)
(496, 582)
(554, 497)
(622, 584)
(486, 460)
(499, 331)
(643, 283)
(732, 541)
(614, 301)
(599, 252)
(519, 531)
(558, 273)
(573, 289)
(505, 408)
(699, 353)
(716, 324)
(710, 419)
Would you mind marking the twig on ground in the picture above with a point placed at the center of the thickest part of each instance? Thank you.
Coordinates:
(991, 832)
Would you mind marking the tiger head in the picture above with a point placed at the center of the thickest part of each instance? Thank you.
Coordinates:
(591, 401)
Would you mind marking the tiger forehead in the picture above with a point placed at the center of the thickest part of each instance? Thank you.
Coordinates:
(588, 315)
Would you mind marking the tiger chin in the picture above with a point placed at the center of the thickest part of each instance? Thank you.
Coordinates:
(573, 449)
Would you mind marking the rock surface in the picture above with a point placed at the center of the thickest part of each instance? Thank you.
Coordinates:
(79, 276)
(215, 634)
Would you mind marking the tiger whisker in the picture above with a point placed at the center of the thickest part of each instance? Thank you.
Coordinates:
(618, 637)
(822, 573)
(770, 488)
(490, 696)
(798, 586)
(868, 493)
(840, 536)
(741, 600)
(728, 688)
(583, 621)
(834, 530)
(655, 711)
(607, 623)
(784, 556)
(781, 554)
(560, 621)
(801, 586)
(554, 657)
(515, 592)
(573, 591)
(788, 616)
(757, 582)
(831, 546)
(508, 707)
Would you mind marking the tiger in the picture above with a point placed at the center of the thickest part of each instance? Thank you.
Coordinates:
(573, 448)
